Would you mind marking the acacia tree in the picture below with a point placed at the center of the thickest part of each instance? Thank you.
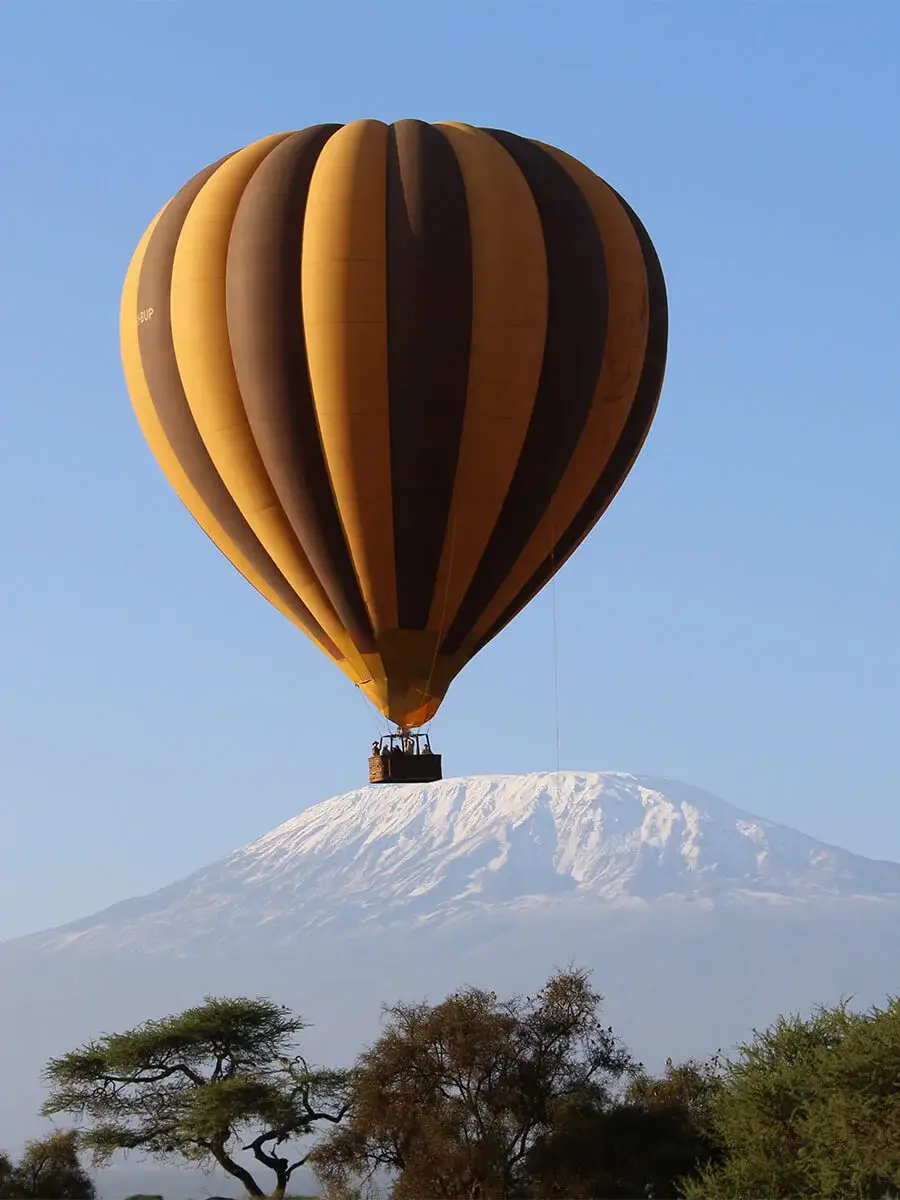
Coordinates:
(452, 1099)
(201, 1086)
(49, 1168)
(639, 1145)
(680, 1135)
(810, 1107)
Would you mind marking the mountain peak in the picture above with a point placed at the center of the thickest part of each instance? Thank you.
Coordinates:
(412, 854)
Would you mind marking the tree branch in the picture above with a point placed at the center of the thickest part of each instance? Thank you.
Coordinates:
(228, 1164)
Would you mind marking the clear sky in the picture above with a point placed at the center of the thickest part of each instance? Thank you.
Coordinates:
(732, 622)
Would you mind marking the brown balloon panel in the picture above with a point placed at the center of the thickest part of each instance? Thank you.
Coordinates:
(396, 373)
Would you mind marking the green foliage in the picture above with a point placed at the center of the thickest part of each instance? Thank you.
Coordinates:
(454, 1099)
(489, 1099)
(49, 1169)
(198, 1087)
(678, 1135)
(659, 1131)
(811, 1108)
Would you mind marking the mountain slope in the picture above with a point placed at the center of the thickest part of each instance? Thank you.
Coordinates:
(393, 854)
(700, 921)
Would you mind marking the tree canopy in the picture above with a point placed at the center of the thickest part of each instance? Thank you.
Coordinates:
(642, 1144)
(484, 1098)
(810, 1107)
(203, 1086)
(49, 1169)
(455, 1099)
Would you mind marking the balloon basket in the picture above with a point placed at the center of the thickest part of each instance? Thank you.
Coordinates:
(404, 758)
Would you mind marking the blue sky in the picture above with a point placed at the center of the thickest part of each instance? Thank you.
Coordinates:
(732, 622)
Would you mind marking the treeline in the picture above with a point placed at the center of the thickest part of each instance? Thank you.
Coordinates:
(483, 1098)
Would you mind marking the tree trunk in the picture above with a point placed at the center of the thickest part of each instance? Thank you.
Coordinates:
(282, 1174)
(233, 1168)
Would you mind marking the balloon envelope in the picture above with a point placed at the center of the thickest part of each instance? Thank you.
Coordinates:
(396, 373)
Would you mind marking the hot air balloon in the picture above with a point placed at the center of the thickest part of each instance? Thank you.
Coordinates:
(396, 373)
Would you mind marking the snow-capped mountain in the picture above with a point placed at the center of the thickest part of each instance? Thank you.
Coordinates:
(399, 854)
(699, 921)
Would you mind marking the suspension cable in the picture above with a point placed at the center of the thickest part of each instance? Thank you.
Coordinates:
(437, 644)
(555, 646)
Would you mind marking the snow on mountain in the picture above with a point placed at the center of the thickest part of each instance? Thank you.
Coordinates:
(415, 854)
(700, 922)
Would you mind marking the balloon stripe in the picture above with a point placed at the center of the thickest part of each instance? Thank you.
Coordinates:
(573, 357)
(152, 430)
(203, 354)
(629, 445)
(345, 318)
(509, 328)
(625, 347)
(265, 327)
(163, 380)
(429, 323)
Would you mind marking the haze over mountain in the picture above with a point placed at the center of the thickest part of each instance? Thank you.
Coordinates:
(699, 920)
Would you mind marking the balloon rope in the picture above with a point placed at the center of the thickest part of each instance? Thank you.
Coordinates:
(555, 644)
(382, 725)
(437, 644)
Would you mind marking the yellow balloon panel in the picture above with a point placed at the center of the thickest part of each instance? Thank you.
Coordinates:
(397, 373)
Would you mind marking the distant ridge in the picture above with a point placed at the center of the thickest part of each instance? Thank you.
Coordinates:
(415, 854)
